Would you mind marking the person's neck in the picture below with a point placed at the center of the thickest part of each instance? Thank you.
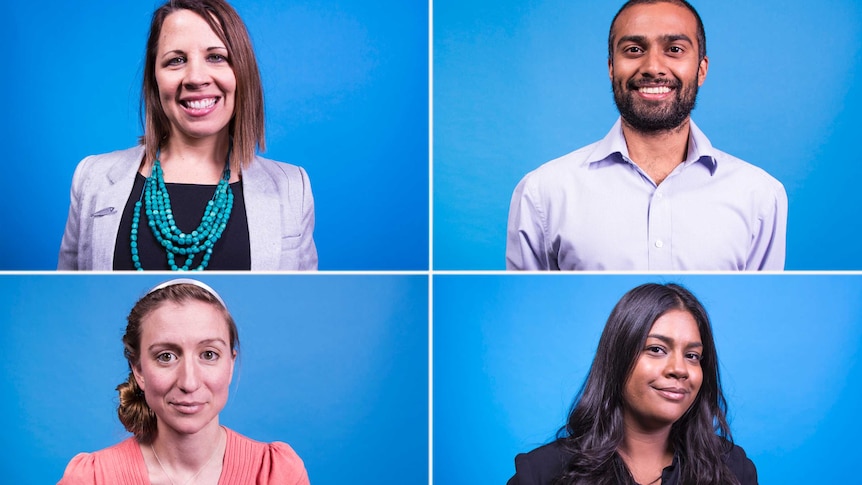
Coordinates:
(657, 153)
(195, 161)
(188, 453)
(646, 452)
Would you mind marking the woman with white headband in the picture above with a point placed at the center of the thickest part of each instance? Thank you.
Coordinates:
(181, 344)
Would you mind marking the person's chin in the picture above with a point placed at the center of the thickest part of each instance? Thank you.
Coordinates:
(189, 424)
(197, 131)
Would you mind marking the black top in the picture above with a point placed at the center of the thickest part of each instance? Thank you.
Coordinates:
(188, 201)
(547, 463)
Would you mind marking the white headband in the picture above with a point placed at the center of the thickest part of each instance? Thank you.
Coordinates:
(189, 281)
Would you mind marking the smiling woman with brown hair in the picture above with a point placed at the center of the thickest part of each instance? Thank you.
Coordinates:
(652, 409)
(181, 344)
(194, 195)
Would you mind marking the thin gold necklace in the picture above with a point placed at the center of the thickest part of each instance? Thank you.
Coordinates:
(193, 476)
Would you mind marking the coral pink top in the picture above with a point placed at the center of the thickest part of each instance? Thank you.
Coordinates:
(245, 461)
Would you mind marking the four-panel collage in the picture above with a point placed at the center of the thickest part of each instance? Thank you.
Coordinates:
(436, 242)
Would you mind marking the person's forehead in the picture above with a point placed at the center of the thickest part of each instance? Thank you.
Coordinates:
(655, 20)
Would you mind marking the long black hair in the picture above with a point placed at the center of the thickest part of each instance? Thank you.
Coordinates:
(595, 425)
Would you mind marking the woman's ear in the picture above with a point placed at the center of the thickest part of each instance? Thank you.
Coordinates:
(139, 377)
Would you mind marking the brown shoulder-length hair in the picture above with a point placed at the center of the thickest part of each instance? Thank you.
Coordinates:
(247, 125)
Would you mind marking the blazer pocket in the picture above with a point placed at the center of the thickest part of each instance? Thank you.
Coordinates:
(291, 242)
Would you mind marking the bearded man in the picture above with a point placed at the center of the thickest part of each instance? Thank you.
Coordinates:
(653, 195)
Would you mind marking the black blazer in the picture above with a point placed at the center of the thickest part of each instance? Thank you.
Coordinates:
(546, 463)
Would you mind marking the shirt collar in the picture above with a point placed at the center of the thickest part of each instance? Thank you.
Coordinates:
(671, 474)
(613, 149)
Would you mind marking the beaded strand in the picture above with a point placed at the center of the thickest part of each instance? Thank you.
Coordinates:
(157, 205)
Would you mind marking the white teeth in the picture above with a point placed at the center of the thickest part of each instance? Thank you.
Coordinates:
(201, 103)
(655, 90)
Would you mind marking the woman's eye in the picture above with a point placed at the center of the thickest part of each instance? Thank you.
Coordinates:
(176, 61)
(217, 58)
(655, 349)
(165, 357)
(209, 355)
(694, 356)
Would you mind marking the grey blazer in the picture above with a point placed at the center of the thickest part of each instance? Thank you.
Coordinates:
(278, 204)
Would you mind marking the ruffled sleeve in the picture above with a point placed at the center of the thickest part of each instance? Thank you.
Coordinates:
(121, 464)
(80, 471)
(282, 465)
(248, 461)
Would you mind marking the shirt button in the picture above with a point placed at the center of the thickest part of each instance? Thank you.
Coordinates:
(659, 195)
(659, 244)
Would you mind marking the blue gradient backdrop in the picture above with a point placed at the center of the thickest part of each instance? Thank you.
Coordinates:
(511, 352)
(336, 366)
(346, 92)
(518, 83)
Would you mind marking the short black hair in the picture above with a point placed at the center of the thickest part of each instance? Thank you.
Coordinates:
(701, 34)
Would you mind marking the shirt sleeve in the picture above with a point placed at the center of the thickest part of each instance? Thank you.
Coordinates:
(742, 466)
(525, 473)
(68, 258)
(282, 466)
(525, 234)
(307, 252)
(80, 471)
(769, 245)
(749, 473)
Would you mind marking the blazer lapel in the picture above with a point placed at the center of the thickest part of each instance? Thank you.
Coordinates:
(109, 204)
(263, 211)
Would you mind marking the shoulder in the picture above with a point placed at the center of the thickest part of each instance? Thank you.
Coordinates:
(105, 161)
(81, 470)
(568, 164)
(274, 462)
(744, 172)
(559, 175)
(91, 468)
(741, 465)
(117, 163)
(540, 466)
(291, 181)
(277, 170)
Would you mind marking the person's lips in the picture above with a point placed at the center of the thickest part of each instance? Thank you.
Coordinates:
(187, 407)
(199, 105)
(675, 394)
(654, 89)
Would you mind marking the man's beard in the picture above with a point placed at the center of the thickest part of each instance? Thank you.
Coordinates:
(654, 117)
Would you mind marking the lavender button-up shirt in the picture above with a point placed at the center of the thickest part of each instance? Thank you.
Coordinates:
(595, 209)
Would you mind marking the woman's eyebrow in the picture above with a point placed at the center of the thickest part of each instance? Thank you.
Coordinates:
(181, 52)
(671, 341)
(211, 341)
(174, 51)
(164, 346)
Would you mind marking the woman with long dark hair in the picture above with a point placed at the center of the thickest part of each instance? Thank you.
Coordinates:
(651, 410)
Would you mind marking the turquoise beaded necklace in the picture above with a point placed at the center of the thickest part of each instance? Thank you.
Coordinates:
(161, 220)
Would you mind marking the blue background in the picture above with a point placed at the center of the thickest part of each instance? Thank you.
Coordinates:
(511, 352)
(336, 366)
(346, 93)
(518, 83)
